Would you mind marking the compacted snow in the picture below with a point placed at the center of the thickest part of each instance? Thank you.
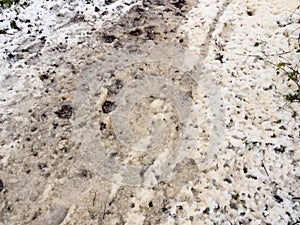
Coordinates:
(149, 112)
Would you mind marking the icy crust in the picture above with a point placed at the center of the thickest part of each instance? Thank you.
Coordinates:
(253, 180)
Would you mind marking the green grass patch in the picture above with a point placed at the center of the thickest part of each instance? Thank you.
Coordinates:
(8, 3)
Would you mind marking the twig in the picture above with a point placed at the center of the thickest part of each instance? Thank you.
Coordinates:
(263, 165)
(94, 199)
(104, 212)
(4, 32)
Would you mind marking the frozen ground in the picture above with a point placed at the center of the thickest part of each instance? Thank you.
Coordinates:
(211, 141)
